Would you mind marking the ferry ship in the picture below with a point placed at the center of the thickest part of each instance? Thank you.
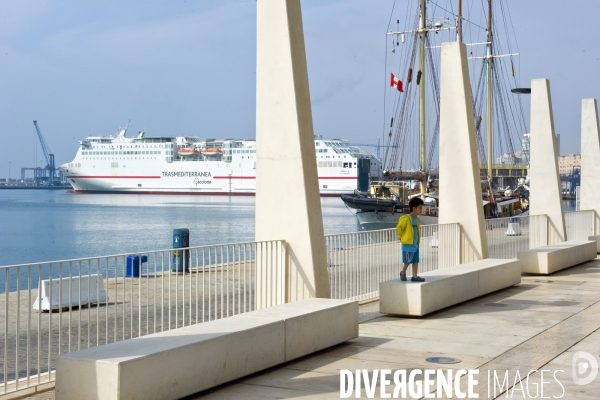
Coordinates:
(190, 165)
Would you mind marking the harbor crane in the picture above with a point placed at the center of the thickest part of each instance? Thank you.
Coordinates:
(50, 166)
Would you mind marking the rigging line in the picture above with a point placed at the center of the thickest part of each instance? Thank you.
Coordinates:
(478, 113)
(503, 76)
(499, 122)
(508, 42)
(436, 100)
(509, 137)
(515, 36)
(470, 35)
(402, 109)
(404, 124)
(454, 15)
(515, 119)
(511, 58)
(384, 75)
(404, 62)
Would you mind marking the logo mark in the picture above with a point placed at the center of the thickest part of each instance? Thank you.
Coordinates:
(583, 364)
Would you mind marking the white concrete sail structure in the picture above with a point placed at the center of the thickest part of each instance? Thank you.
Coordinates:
(590, 159)
(288, 206)
(545, 194)
(462, 200)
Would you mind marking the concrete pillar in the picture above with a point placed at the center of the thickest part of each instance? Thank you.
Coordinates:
(460, 183)
(288, 204)
(545, 195)
(590, 159)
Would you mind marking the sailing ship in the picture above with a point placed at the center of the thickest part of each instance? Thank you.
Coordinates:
(408, 174)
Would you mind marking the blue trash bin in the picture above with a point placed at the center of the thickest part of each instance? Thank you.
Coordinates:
(134, 266)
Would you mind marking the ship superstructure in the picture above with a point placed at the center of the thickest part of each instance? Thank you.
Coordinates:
(190, 165)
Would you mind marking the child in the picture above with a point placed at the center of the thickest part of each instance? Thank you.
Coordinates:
(408, 230)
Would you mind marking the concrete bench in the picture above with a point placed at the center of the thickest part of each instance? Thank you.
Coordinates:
(596, 238)
(448, 286)
(552, 258)
(91, 288)
(176, 363)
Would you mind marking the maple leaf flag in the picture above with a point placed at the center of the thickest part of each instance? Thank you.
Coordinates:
(397, 83)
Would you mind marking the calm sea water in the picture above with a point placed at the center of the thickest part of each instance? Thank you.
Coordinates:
(47, 225)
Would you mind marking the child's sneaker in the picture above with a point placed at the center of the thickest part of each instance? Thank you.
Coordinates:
(417, 279)
(402, 276)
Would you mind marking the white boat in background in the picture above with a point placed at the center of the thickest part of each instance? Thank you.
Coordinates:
(190, 165)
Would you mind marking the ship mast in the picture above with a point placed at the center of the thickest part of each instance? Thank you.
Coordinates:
(422, 38)
(489, 61)
(459, 22)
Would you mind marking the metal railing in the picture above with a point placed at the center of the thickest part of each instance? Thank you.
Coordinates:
(214, 282)
(507, 236)
(359, 261)
(580, 224)
(538, 231)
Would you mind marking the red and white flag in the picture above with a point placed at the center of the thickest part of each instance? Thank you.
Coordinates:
(397, 83)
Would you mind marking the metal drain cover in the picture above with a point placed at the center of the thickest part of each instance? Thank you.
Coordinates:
(443, 360)
(496, 305)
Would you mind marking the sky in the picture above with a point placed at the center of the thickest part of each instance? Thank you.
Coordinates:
(188, 68)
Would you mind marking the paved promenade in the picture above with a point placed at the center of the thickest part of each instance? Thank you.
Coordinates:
(537, 325)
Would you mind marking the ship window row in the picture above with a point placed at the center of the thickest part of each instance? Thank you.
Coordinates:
(336, 164)
(119, 153)
(120, 158)
(131, 146)
(240, 152)
(335, 144)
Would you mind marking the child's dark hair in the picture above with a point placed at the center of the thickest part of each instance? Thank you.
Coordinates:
(414, 203)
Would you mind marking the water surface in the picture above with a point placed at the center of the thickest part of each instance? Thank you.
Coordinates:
(47, 225)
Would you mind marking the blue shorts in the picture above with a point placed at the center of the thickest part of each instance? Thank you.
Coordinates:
(409, 257)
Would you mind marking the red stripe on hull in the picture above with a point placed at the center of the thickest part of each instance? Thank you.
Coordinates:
(177, 193)
(112, 177)
(253, 177)
(214, 177)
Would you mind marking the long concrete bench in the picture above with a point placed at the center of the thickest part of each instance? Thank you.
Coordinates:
(180, 362)
(596, 238)
(552, 258)
(448, 286)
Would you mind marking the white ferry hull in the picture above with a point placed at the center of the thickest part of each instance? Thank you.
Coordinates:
(219, 186)
(152, 166)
